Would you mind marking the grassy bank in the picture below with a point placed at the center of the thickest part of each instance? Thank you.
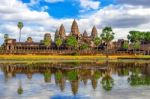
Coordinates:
(55, 57)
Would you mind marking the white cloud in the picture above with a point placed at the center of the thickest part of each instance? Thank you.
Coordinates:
(89, 4)
(54, 1)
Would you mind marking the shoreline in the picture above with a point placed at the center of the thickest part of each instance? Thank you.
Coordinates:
(69, 57)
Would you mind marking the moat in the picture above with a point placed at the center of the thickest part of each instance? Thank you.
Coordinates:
(75, 80)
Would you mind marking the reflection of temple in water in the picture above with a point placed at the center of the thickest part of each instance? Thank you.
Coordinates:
(85, 72)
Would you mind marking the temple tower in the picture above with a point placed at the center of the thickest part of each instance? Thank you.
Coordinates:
(62, 32)
(75, 29)
(85, 34)
(94, 32)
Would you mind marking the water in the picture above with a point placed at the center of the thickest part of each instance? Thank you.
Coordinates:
(75, 80)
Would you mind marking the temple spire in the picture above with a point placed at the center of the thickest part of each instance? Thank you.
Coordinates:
(75, 29)
(62, 31)
(94, 32)
(85, 34)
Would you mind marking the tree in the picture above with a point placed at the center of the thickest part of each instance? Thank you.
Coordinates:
(97, 41)
(107, 36)
(134, 36)
(84, 46)
(20, 26)
(72, 42)
(47, 41)
(58, 42)
(5, 37)
(147, 37)
(136, 45)
(125, 45)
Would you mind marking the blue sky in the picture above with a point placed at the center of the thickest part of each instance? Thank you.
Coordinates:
(45, 16)
(66, 8)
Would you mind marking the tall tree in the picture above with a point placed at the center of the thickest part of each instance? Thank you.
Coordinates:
(125, 45)
(97, 41)
(58, 42)
(72, 42)
(135, 38)
(107, 36)
(20, 26)
(47, 41)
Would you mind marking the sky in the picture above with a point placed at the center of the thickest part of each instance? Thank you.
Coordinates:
(45, 16)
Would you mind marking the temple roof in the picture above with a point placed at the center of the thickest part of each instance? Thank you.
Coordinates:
(94, 32)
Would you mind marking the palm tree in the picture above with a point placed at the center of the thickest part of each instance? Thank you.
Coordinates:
(20, 26)
(107, 36)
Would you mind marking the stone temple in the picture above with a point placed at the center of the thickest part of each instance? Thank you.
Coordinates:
(12, 44)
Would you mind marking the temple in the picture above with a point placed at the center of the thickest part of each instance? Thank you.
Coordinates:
(47, 44)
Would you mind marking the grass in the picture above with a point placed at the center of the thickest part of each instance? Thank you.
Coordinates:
(68, 58)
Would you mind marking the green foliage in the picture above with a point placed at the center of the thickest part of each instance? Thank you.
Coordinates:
(107, 82)
(72, 75)
(125, 45)
(20, 26)
(72, 42)
(47, 41)
(136, 45)
(107, 34)
(58, 42)
(97, 75)
(59, 75)
(97, 41)
(147, 36)
(47, 76)
(134, 36)
(84, 46)
(136, 80)
(20, 90)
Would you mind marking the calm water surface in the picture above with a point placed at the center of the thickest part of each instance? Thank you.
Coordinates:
(75, 80)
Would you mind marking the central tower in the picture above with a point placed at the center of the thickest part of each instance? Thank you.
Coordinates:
(75, 29)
